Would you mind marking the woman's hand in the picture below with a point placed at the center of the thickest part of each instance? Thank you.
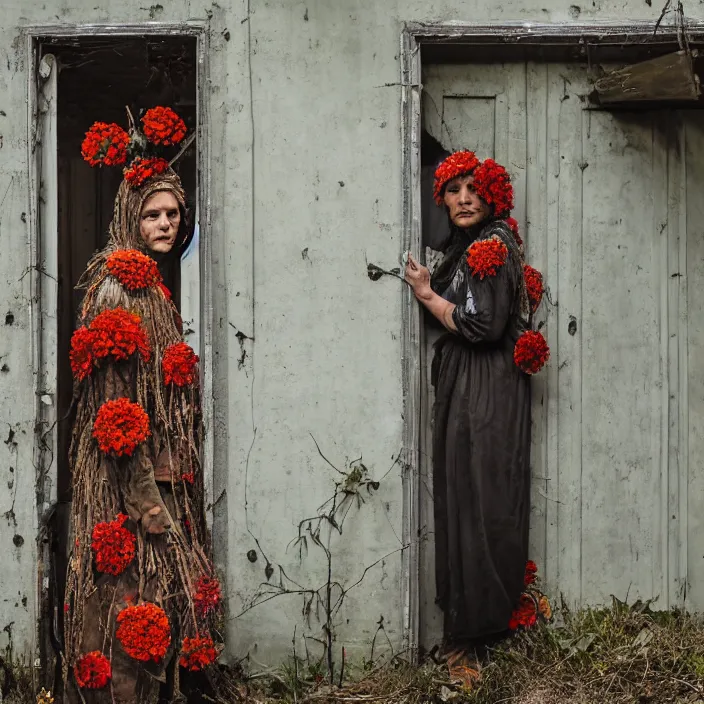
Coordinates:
(418, 277)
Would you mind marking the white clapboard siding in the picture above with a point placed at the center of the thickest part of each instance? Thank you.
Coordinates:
(610, 208)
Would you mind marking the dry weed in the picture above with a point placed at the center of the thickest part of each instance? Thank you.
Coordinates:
(618, 655)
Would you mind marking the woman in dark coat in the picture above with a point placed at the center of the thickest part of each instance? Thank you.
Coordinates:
(481, 417)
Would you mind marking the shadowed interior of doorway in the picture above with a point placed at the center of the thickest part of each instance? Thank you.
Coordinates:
(98, 79)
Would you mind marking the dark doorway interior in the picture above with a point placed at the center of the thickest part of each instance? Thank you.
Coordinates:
(98, 77)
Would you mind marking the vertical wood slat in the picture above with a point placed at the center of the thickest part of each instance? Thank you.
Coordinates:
(692, 494)
(620, 335)
(565, 128)
(540, 243)
(660, 401)
(48, 251)
(202, 279)
(554, 302)
(672, 129)
(516, 158)
(410, 320)
(683, 381)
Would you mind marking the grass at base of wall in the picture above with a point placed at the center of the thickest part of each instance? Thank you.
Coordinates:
(619, 655)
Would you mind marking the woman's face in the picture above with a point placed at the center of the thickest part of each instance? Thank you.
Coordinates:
(159, 221)
(466, 208)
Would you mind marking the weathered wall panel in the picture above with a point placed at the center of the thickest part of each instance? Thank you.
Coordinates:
(620, 338)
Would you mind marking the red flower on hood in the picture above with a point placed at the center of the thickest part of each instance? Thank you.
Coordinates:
(163, 126)
(143, 168)
(105, 144)
(460, 163)
(493, 185)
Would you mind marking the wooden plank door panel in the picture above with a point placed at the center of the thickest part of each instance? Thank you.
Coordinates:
(482, 110)
(610, 207)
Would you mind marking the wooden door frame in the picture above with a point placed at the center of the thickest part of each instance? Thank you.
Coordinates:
(530, 37)
(44, 277)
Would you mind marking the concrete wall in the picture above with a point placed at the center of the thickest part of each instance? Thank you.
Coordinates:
(306, 187)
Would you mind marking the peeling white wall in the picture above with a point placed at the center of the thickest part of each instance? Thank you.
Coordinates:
(306, 187)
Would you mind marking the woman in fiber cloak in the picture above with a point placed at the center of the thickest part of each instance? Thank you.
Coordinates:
(141, 593)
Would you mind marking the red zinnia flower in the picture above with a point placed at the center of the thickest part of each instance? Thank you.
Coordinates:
(197, 653)
(120, 426)
(531, 352)
(457, 164)
(133, 269)
(493, 185)
(513, 224)
(144, 632)
(92, 671)
(163, 126)
(179, 364)
(525, 614)
(143, 168)
(208, 595)
(118, 334)
(105, 144)
(165, 291)
(486, 256)
(531, 570)
(81, 354)
(113, 546)
(534, 286)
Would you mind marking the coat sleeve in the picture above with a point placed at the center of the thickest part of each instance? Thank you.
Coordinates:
(486, 312)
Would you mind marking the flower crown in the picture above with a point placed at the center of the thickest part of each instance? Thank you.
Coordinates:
(137, 149)
(493, 185)
(491, 180)
(457, 164)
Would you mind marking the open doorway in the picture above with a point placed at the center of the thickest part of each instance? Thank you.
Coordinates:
(95, 79)
(607, 198)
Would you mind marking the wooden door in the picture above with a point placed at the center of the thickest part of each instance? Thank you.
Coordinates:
(609, 207)
(482, 110)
